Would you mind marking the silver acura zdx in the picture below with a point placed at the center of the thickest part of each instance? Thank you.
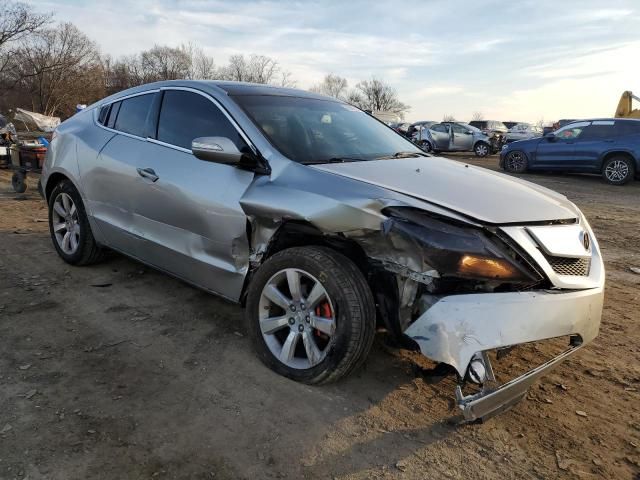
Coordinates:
(326, 225)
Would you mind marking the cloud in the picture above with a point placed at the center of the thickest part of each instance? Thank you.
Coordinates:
(522, 59)
(485, 45)
(438, 90)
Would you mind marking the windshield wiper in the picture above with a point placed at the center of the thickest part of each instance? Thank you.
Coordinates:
(402, 155)
(333, 160)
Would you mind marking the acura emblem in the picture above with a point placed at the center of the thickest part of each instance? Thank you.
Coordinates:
(586, 241)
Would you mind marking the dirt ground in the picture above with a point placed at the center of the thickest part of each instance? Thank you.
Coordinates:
(117, 371)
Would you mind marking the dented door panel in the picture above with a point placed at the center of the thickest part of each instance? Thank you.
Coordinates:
(191, 220)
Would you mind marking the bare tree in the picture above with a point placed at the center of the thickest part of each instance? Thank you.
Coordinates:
(448, 118)
(18, 20)
(377, 95)
(354, 97)
(255, 69)
(286, 79)
(164, 63)
(202, 66)
(120, 74)
(477, 116)
(332, 85)
(56, 69)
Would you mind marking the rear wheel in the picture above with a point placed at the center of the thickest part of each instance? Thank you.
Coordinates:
(515, 162)
(618, 170)
(69, 226)
(481, 149)
(311, 314)
(426, 146)
(19, 182)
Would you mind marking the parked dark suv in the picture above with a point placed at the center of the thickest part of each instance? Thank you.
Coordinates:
(610, 147)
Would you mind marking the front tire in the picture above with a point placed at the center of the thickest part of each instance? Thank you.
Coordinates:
(515, 162)
(310, 314)
(618, 170)
(482, 149)
(69, 226)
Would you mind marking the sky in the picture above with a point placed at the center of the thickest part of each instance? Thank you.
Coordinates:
(520, 60)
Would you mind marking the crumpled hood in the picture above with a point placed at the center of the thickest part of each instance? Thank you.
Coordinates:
(484, 195)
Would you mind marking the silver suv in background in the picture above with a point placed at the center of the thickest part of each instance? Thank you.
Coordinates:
(455, 137)
(325, 224)
(523, 131)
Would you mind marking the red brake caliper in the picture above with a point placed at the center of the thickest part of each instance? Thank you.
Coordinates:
(323, 310)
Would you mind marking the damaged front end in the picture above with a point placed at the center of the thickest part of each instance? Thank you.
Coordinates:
(431, 257)
(456, 291)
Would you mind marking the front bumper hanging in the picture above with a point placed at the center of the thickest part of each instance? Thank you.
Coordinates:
(460, 328)
(490, 402)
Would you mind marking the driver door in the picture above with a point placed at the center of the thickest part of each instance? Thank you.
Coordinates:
(559, 152)
(462, 138)
(440, 135)
(188, 209)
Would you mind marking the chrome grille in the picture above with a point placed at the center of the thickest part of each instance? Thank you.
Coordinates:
(570, 266)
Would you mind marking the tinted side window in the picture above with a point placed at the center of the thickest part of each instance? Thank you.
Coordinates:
(627, 128)
(132, 117)
(102, 116)
(113, 114)
(186, 115)
(458, 128)
(597, 132)
(439, 128)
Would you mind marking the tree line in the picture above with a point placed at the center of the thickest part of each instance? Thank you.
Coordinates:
(49, 68)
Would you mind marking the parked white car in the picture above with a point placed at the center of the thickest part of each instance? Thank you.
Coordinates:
(523, 131)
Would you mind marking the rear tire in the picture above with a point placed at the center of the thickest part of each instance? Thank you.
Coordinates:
(69, 226)
(426, 146)
(19, 182)
(516, 162)
(347, 299)
(618, 170)
(482, 149)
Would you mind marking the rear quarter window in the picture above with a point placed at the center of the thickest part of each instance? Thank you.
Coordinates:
(113, 114)
(102, 115)
(132, 117)
(627, 128)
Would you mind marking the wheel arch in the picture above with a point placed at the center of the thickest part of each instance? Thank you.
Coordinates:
(623, 153)
(297, 233)
(54, 179)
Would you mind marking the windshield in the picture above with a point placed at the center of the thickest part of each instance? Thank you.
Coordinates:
(316, 131)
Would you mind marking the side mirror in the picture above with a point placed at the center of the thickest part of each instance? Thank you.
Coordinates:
(216, 149)
(550, 136)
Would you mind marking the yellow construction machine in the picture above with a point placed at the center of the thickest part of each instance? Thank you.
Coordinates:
(625, 106)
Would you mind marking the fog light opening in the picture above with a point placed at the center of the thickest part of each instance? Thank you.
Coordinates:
(479, 370)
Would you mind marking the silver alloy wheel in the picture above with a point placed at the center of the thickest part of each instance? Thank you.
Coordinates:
(515, 162)
(617, 171)
(482, 150)
(65, 224)
(295, 307)
(426, 146)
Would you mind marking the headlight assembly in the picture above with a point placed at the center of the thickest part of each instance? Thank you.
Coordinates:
(457, 251)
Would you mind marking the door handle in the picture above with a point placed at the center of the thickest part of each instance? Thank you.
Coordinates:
(148, 173)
